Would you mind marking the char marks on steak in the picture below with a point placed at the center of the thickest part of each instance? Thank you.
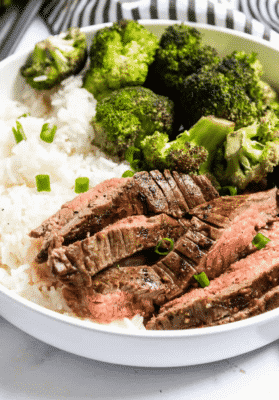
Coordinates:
(76, 263)
(248, 287)
(211, 249)
(98, 248)
(143, 194)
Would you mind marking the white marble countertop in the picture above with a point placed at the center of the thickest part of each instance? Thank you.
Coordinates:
(31, 369)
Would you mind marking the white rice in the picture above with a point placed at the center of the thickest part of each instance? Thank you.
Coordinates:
(22, 208)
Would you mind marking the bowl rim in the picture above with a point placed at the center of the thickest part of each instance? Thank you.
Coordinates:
(156, 334)
(139, 333)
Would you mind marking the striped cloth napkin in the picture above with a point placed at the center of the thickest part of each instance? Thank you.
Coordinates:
(256, 17)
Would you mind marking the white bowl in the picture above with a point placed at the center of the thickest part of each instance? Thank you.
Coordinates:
(146, 348)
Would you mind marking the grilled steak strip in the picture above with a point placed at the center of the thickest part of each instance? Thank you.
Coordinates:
(176, 202)
(138, 288)
(267, 302)
(115, 199)
(78, 262)
(209, 192)
(234, 291)
(242, 217)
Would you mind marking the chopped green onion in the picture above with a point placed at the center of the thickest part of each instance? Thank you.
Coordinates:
(260, 241)
(19, 132)
(128, 173)
(81, 185)
(228, 191)
(43, 183)
(131, 154)
(47, 134)
(24, 115)
(202, 279)
(160, 244)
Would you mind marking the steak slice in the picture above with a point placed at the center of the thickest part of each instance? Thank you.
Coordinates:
(211, 249)
(115, 199)
(240, 218)
(238, 290)
(269, 301)
(77, 263)
(136, 288)
(209, 192)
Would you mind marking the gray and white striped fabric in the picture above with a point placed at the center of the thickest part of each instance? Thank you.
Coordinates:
(255, 17)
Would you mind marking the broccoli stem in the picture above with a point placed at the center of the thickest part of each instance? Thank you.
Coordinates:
(209, 132)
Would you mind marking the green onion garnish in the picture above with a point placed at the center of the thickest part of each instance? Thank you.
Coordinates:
(127, 174)
(202, 279)
(47, 133)
(160, 244)
(19, 132)
(43, 183)
(132, 154)
(228, 191)
(24, 115)
(81, 185)
(260, 241)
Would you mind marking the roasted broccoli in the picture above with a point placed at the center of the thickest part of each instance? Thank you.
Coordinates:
(231, 89)
(191, 151)
(56, 58)
(248, 154)
(5, 3)
(119, 57)
(180, 54)
(127, 115)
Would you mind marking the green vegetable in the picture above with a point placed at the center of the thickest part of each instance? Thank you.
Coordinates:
(5, 3)
(55, 58)
(127, 173)
(180, 54)
(25, 115)
(160, 243)
(260, 241)
(191, 151)
(127, 115)
(19, 132)
(81, 185)
(248, 154)
(119, 56)
(47, 133)
(231, 90)
(43, 183)
(202, 279)
(228, 191)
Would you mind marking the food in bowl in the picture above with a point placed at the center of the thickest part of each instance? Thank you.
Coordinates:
(129, 246)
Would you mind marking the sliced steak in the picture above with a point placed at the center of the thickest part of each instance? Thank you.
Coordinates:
(269, 301)
(89, 212)
(137, 290)
(240, 217)
(233, 292)
(115, 199)
(175, 200)
(191, 192)
(78, 262)
(196, 251)
(208, 190)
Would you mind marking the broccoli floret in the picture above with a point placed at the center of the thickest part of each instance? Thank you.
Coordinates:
(55, 58)
(191, 151)
(249, 154)
(119, 56)
(127, 115)
(231, 89)
(180, 54)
